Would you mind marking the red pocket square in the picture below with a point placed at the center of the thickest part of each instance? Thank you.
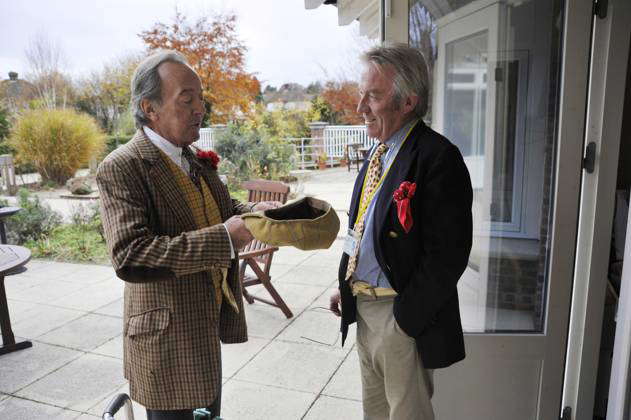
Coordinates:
(402, 197)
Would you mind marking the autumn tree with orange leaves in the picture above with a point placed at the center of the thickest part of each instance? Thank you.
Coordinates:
(343, 97)
(217, 55)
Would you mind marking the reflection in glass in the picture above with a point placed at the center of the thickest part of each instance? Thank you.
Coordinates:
(465, 93)
(494, 68)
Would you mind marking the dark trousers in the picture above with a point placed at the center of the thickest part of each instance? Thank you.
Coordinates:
(214, 408)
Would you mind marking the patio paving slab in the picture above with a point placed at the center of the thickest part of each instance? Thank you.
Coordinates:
(19, 310)
(335, 408)
(92, 297)
(264, 321)
(315, 326)
(21, 368)
(301, 274)
(112, 309)
(17, 282)
(235, 356)
(296, 296)
(245, 400)
(43, 319)
(301, 367)
(57, 270)
(85, 333)
(91, 273)
(47, 291)
(20, 409)
(346, 383)
(278, 268)
(80, 384)
(112, 348)
(291, 255)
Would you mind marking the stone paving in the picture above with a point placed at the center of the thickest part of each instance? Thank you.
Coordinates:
(289, 369)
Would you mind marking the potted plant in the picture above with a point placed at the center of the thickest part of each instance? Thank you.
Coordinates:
(321, 160)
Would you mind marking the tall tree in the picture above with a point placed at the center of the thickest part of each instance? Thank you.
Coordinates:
(105, 94)
(46, 61)
(343, 97)
(217, 55)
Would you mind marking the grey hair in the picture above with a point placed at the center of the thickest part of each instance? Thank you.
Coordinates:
(410, 72)
(146, 83)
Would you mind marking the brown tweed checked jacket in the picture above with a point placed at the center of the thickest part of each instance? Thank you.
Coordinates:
(172, 325)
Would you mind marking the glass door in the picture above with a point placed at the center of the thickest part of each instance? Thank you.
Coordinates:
(501, 94)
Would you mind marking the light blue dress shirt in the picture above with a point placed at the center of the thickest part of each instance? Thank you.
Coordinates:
(368, 269)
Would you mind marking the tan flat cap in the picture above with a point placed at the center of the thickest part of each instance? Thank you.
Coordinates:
(306, 224)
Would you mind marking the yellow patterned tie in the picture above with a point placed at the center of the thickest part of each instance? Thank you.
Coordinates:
(373, 174)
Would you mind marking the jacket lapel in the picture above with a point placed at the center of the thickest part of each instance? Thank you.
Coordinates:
(164, 181)
(398, 171)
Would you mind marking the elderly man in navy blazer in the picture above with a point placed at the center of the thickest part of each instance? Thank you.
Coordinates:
(410, 232)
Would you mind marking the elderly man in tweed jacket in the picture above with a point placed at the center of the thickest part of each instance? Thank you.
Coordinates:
(172, 231)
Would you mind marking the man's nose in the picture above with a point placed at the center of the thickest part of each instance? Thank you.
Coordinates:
(361, 105)
(200, 108)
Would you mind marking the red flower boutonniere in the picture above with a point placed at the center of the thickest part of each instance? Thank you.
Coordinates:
(402, 197)
(209, 156)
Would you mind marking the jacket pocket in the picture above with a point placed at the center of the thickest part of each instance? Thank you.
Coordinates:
(148, 322)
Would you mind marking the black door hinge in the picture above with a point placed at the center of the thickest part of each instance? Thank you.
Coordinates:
(589, 160)
(567, 414)
(600, 8)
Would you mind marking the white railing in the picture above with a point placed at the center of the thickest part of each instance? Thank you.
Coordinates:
(337, 137)
(307, 150)
(332, 144)
(207, 137)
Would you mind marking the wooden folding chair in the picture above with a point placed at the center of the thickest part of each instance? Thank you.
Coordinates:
(258, 255)
(354, 154)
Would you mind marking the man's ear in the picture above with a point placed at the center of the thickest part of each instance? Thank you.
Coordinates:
(409, 104)
(150, 110)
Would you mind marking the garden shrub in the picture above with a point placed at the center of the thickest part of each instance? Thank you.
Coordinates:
(35, 221)
(57, 142)
(250, 153)
(81, 240)
(72, 243)
(5, 125)
(113, 141)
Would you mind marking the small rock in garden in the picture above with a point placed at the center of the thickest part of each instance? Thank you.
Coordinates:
(79, 186)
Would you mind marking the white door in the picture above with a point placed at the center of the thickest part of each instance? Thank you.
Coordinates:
(509, 89)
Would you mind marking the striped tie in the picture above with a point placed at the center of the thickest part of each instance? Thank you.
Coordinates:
(372, 181)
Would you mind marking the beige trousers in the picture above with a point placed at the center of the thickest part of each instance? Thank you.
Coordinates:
(395, 386)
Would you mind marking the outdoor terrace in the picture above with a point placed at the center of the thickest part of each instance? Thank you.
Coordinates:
(289, 369)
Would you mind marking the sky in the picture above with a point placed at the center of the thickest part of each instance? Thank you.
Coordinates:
(286, 43)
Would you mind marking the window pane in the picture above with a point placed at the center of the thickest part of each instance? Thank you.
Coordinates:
(465, 58)
(494, 69)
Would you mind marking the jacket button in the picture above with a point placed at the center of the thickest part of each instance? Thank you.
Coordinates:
(393, 234)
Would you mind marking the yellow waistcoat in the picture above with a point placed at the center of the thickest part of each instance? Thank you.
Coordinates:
(205, 213)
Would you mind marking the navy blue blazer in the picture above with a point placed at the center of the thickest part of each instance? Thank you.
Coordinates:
(424, 265)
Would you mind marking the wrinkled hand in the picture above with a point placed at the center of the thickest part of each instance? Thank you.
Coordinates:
(267, 205)
(334, 303)
(239, 233)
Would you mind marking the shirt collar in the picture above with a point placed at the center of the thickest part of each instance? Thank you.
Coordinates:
(172, 151)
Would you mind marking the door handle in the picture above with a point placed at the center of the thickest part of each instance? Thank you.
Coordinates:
(589, 160)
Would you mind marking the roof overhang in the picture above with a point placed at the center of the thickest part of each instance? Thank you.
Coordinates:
(364, 11)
